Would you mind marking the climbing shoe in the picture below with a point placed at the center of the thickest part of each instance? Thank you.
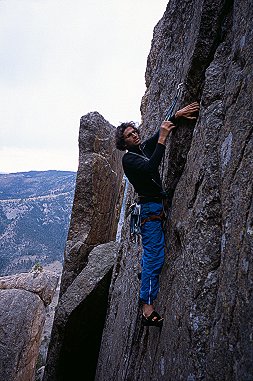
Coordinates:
(153, 320)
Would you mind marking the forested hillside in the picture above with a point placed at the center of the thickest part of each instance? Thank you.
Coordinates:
(35, 209)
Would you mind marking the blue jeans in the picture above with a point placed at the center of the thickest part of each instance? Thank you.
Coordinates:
(153, 252)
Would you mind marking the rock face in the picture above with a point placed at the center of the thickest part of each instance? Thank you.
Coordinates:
(96, 199)
(206, 283)
(89, 255)
(43, 283)
(23, 299)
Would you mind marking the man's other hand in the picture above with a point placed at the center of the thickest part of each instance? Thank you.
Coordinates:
(188, 112)
(165, 129)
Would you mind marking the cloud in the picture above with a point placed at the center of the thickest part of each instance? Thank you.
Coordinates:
(29, 159)
(63, 59)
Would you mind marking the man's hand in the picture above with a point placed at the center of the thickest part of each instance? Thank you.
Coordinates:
(165, 129)
(188, 111)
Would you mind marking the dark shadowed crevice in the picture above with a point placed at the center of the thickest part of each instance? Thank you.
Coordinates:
(206, 48)
(79, 354)
(194, 84)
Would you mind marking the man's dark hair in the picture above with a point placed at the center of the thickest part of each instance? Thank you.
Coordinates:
(119, 137)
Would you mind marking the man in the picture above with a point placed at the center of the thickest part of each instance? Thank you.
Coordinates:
(141, 166)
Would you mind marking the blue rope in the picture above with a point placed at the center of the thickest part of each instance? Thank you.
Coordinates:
(169, 114)
(171, 108)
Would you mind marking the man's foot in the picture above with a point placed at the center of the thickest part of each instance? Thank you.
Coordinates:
(147, 309)
(154, 319)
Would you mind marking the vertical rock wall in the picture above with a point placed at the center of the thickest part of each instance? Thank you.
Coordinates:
(89, 255)
(96, 201)
(206, 283)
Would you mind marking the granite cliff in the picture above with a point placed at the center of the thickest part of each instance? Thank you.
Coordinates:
(206, 283)
(89, 256)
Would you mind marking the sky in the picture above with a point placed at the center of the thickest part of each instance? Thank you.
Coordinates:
(61, 59)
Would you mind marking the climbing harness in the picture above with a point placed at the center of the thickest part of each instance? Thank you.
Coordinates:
(136, 222)
(155, 217)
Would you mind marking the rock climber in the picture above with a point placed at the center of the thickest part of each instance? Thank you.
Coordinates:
(141, 166)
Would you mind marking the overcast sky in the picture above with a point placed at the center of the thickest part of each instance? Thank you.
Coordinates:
(61, 59)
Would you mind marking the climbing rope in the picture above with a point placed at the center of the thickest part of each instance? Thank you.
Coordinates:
(168, 115)
(171, 108)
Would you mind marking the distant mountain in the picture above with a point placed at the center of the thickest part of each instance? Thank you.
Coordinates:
(35, 210)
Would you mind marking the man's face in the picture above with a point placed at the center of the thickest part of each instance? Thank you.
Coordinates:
(131, 137)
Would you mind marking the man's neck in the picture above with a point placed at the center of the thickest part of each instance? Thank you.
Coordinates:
(135, 149)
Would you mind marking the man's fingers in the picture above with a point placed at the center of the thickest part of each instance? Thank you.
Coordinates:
(168, 124)
(192, 107)
(189, 111)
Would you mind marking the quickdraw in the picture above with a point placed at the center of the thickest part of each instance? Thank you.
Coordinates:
(135, 221)
(170, 110)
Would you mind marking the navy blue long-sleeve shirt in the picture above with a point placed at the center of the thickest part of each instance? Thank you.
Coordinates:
(141, 167)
